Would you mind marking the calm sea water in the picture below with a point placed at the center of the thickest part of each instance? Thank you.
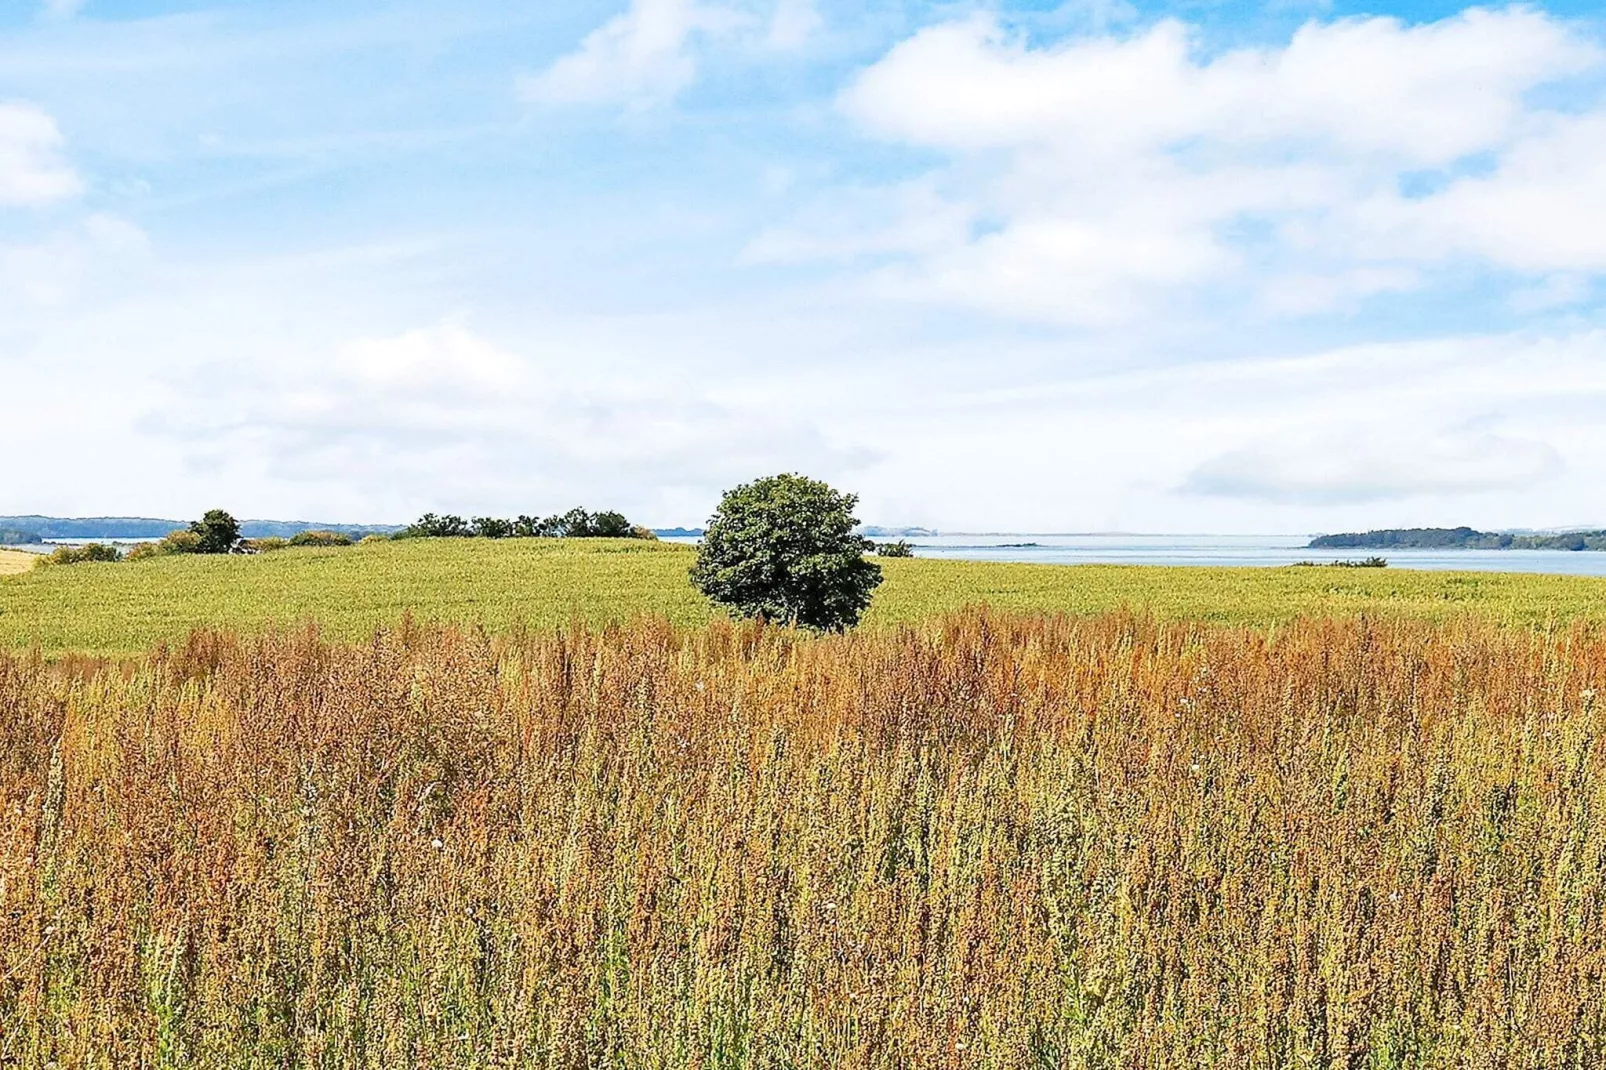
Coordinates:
(1243, 550)
(1253, 551)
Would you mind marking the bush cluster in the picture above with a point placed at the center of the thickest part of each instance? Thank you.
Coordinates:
(77, 555)
(575, 524)
(320, 538)
(901, 548)
(174, 542)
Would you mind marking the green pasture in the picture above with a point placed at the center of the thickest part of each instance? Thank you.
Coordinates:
(128, 607)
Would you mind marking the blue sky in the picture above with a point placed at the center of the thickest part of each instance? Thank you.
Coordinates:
(1091, 266)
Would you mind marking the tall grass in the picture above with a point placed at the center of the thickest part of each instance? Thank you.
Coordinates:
(993, 841)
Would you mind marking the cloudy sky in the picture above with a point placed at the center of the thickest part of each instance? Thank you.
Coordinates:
(1202, 266)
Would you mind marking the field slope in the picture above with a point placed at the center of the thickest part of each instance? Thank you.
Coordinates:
(15, 561)
(542, 583)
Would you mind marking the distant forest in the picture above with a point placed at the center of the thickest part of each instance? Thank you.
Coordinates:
(29, 530)
(1462, 538)
(22, 530)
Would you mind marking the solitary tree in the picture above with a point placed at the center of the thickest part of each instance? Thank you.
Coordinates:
(219, 532)
(783, 549)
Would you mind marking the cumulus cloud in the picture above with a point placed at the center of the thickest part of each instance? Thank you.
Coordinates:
(32, 169)
(1103, 174)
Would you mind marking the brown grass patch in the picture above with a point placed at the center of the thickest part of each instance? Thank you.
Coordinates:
(13, 562)
(993, 841)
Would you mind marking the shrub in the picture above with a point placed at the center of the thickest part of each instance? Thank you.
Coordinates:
(179, 542)
(783, 549)
(263, 545)
(174, 542)
(218, 532)
(320, 538)
(77, 555)
(901, 548)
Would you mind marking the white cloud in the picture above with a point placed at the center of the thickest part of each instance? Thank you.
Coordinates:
(443, 417)
(793, 24)
(1542, 208)
(32, 170)
(448, 358)
(651, 52)
(60, 9)
(641, 57)
(1422, 95)
(1296, 293)
(61, 266)
(1099, 177)
(1375, 463)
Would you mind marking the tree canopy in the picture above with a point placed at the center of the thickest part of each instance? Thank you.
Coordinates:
(784, 549)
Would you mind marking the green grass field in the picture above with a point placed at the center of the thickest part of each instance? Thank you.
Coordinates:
(123, 608)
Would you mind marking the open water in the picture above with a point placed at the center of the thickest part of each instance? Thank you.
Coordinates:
(1241, 550)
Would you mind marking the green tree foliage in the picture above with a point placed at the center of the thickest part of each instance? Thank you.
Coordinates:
(901, 548)
(489, 527)
(611, 525)
(219, 532)
(784, 549)
(575, 524)
(77, 555)
(320, 538)
(430, 526)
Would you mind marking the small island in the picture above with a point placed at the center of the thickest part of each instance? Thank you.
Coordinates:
(1462, 538)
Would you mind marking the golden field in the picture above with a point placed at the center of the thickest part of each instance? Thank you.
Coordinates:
(543, 583)
(987, 841)
(13, 562)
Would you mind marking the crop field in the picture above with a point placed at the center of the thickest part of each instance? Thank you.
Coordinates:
(15, 561)
(987, 841)
(542, 583)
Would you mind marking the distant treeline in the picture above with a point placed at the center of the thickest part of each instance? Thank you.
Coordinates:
(575, 524)
(1462, 538)
(24, 530)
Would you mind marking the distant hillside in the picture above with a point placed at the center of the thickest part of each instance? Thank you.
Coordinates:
(1462, 538)
(874, 532)
(28, 529)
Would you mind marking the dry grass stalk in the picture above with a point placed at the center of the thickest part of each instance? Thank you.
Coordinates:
(1004, 842)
